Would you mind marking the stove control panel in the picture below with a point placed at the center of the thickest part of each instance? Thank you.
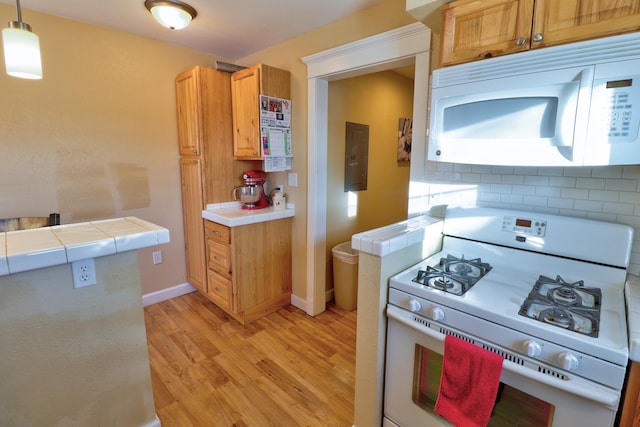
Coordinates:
(528, 226)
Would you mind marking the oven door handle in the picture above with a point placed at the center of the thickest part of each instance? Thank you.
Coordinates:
(599, 394)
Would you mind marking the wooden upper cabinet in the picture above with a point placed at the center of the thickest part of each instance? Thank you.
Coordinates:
(245, 90)
(558, 22)
(246, 87)
(479, 29)
(189, 105)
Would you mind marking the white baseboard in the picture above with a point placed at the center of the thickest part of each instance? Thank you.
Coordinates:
(328, 295)
(165, 294)
(298, 302)
(153, 423)
(302, 304)
(186, 288)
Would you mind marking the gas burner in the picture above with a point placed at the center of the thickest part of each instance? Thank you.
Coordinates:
(566, 305)
(557, 316)
(453, 275)
(565, 296)
(474, 268)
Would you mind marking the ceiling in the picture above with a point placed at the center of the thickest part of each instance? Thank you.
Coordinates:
(225, 28)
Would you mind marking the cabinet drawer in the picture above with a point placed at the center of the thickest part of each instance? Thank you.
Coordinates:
(217, 232)
(219, 258)
(219, 290)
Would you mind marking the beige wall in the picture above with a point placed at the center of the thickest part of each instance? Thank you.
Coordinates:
(74, 357)
(97, 136)
(377, 100)
(287, 55)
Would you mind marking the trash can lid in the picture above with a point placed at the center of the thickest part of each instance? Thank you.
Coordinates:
(345, 249)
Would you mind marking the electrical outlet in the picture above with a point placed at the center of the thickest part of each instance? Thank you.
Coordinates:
(280, 188)
(84, 273)
(157, 257)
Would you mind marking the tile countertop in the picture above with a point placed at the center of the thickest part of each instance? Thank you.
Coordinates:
(392, 238)
(632, 294)
(231, 214)
(61, 244)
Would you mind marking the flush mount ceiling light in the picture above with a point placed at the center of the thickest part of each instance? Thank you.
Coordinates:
(172, 14)
(21, 49)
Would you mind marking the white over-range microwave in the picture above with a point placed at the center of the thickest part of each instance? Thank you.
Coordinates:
(570, 105)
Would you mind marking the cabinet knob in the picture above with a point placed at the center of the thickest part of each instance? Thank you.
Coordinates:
(537, 37)
(521, 41)
(216, 232)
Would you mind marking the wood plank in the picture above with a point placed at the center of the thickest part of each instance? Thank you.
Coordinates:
(286, 368)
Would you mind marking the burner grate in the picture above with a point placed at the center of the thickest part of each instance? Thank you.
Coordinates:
(453, 275)
(559, 303)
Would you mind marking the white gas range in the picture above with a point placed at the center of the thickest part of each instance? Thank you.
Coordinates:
(546, 292)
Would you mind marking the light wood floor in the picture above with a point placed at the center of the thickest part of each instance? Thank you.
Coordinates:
(285, 369)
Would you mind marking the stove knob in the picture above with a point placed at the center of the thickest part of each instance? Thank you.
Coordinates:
(414, 305)
(532, 348)
(567, 361)
(435, 313)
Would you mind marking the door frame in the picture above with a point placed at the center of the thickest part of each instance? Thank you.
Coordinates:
(392, 49)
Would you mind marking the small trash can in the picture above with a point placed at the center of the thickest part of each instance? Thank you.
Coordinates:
(345, 276)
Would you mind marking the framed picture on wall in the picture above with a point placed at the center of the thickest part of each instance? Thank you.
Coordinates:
(405, 127)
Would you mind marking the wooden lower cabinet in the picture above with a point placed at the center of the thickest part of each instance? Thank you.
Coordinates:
(249, 267)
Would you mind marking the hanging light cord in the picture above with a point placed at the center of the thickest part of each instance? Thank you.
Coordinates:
(19, 11)
(19, 24)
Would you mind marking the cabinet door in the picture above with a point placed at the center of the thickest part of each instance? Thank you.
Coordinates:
(478, 29)
(556, 22)
(188, 104)
(192, 205)
(245, 90)
(262, 263)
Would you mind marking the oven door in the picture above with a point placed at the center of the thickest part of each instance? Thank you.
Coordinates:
(525, 397)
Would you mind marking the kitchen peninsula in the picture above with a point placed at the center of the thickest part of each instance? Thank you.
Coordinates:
(75, 355)
(383, 252)
(248, 256)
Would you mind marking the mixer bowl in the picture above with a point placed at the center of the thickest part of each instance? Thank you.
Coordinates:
(249, 194)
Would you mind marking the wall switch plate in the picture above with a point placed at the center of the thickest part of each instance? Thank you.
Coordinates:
(293, 179)
(84, 273)
(157, 257)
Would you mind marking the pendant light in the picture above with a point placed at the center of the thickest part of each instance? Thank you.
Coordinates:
(21, 49)
(172, 14)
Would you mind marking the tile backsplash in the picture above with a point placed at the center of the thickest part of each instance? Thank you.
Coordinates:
(607, 193)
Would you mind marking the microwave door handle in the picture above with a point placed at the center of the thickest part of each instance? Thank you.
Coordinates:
(576, 106)
(583, 108)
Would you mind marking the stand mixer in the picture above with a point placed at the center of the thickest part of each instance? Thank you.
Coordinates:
(255, 178)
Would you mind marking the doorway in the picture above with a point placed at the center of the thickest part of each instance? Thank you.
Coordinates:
(408, 45)
(367, 175)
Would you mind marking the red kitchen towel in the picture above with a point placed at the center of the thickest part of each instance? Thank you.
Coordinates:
(469, 383)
